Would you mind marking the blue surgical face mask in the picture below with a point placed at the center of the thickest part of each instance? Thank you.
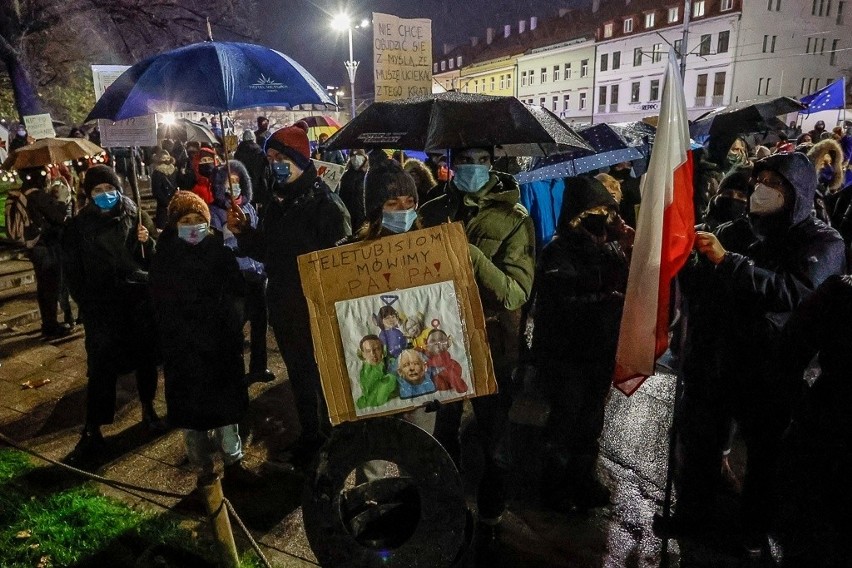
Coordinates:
(281, 171)
(106, 200)
(470, 178)
(398, 221)
(193, 234)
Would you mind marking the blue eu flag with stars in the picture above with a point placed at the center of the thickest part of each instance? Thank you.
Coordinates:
(831, 96)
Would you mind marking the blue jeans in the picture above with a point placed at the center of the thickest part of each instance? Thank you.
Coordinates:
(203, 445)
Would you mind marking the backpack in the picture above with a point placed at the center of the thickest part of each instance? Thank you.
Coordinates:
(18, 221)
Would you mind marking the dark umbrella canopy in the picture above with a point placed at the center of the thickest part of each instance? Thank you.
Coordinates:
(724, 124)
(187, 130)
(209, 77)
(458, 120)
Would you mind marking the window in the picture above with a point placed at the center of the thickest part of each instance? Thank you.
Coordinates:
(839, 20)
(822, 47)
(555, 103)
(608, 30)
(476, 86)
(566, 102)
(810, 85)
(435, 67)
(766, 92)
(765, 40)
(604, 61)
(760, 86)
(698, 9)
(813, 8)
(808, 48)
(458, 61)
(583, 101)
(719, 84)
(772, 47)
(543, 75)
(634, 92)
(777, 5)
(704, 46)
(701, 87)
(655, 90)
(673, 15)
(833, 60)
(541, 102)
(443, 65)
(567, 71)
(502, 82)
(628, 25)
(508, 81)
(649, 20)
(726, 5)
(531, 76)
(657, 53)
(601, 96)
(523, 78)
(821, 6)
(677, 44)
(802, 91)
(492, 83)
(637, 57)
(451, 63)
(555, 73)
(613, 96)
(616, 60)
(724, 40)
(816, 83)
(584, 68)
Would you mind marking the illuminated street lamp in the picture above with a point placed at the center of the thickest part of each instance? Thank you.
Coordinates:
(344, 22)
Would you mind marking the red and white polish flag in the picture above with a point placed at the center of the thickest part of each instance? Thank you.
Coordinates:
(664, 236)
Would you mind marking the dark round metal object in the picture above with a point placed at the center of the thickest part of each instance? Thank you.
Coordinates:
(417, 519)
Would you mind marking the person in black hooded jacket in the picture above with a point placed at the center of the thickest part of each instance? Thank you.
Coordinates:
(739, 301)
(580, 280)
(106, 251)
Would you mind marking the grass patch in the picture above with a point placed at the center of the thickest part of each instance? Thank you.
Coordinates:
(80, 527)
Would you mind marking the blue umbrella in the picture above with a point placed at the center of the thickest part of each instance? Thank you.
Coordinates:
(608, 148)
(209, 77)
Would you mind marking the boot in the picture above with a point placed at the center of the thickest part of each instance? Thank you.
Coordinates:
(151, 422)
(91, 447)
(588, 491)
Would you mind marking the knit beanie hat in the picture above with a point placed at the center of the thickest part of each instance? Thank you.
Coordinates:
(292, 141)
(384, 180)
(185, 202)
(96, 175)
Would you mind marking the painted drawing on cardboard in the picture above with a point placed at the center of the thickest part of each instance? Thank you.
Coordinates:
(404, 348)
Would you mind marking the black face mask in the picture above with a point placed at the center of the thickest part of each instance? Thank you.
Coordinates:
(727, 209)
(205, 169)
(595, 224)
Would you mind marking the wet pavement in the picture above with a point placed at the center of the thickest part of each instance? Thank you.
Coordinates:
(633, 463)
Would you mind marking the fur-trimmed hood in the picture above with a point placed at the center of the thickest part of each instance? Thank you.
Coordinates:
(831, 148)
(220, 182)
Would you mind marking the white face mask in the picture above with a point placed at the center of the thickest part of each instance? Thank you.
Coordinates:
(358, 161)
(765, 200)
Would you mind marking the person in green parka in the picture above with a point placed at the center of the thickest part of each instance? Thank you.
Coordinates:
(502, 248)
(377, 385)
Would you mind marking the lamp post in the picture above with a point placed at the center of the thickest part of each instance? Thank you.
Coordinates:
(344, 22)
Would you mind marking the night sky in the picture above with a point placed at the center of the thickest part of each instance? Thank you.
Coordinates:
(301, 28)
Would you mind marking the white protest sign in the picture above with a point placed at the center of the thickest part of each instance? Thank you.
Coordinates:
(139, 131)
(4, 143)
(402, 56)
(104, 75)
(39, 126)
(330, 173)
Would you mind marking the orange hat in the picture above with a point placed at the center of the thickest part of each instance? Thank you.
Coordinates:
(185, 202)
(292, 141)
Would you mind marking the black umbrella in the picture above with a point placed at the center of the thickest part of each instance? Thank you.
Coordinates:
(724, 124)
(458, 120)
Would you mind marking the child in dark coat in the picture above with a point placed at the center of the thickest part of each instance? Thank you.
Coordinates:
(198, 302)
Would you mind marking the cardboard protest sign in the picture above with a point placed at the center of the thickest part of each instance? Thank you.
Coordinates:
(397, 322)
